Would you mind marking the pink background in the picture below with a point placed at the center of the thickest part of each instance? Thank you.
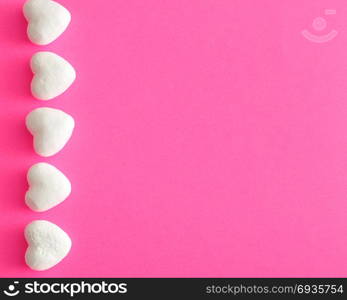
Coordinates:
(210, 141)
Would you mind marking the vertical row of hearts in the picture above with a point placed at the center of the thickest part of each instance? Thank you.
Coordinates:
(51, 128)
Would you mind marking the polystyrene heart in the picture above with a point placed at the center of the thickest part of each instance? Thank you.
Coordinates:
(51, 129)
(53, 75)
(48, 244)
(47, 187)
(47, 20)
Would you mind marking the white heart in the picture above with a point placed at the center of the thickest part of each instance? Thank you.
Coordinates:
(53, 75)
(47, 187)
(48, 244)
(51, 128)
(47, 20)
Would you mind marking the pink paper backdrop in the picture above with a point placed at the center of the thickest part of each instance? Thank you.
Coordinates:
(210, 140)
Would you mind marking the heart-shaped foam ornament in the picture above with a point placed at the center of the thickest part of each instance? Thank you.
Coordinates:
(47, 20)
(53, 75)
(51, 128)
(47, 187)
(48, 244)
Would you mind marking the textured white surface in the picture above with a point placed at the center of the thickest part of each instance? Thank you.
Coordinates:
(53, 75)
(51, 128)
(47, 187)
(47, 20)
(48, 244)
